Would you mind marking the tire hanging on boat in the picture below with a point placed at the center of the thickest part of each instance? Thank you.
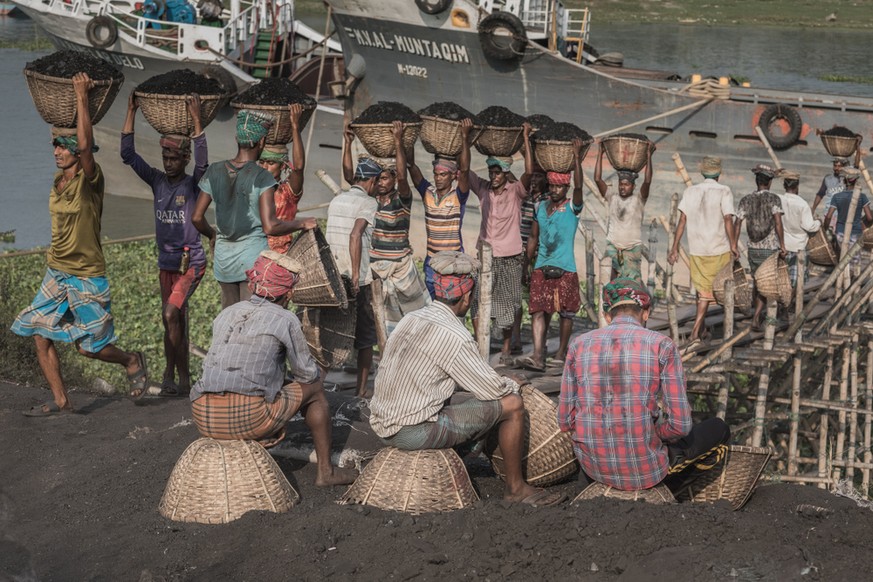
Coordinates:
(502, 36)
(225, 79)
(787, 114)
(433, 6)
(101, 32)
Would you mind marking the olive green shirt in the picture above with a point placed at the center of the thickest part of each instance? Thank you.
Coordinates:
(76, 211)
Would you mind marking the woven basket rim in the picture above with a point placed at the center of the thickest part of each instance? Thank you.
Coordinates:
(441, 119)
(548, 142)
(169, 97)
(240, 105)
(628, 138)
(381, 125)
(501, 128)
(97, 82)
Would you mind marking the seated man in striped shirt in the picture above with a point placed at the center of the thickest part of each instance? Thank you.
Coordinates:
(623, 401)
(243, 393)
(429, 356)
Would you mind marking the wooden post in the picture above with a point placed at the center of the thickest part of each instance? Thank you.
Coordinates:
(671, 300)
(378, 301)
(677, 159)
(486, 279)
(868, 416)
(847, 235)
(767, 145)
(824, 419)
(853, 416)
(841, 415)
(729, 303)
(794, 422)
(764, 379)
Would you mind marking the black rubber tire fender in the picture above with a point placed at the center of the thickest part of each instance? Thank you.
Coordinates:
(509, 43)
(101, 32)
(781, 112)
(225, 79)
(433, 6)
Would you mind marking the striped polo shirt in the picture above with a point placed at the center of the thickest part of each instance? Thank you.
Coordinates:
(391, 230)
(443, 218)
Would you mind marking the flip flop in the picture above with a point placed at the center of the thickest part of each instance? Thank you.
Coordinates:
(550, 361)
(170, 389)
(529, 363)
(139, 381)
(50, 408)
(543, 498)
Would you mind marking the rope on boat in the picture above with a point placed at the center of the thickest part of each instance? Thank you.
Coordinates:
(707, 88)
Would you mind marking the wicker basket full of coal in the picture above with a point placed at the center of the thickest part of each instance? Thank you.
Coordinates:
(627, 151)
(163, 100)
(548, 453)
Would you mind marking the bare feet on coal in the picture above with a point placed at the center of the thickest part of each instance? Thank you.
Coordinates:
(337, 476)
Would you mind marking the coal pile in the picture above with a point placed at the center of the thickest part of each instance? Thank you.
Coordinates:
(562, 132)
(65, 64)
(387, 112)
(180, 82)
(275, 91)
(638, 136)
(448, 110)
(839, 131)
(498, 116)
(539, 121)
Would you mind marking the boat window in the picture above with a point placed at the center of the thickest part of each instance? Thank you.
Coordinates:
(656, 129)
(707, 134)
(753, 138)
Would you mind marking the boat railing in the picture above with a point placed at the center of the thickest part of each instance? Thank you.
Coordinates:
(548, 19)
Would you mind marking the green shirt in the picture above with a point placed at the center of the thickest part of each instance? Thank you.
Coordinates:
(76, 212)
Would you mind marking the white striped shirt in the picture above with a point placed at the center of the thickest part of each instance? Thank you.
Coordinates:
(428, 356)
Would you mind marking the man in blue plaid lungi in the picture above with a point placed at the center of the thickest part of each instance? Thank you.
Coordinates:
(73, 302)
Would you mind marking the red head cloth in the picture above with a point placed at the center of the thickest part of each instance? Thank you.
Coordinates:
(452, 286)
(270, 277)
(558, 178)
(176, 142)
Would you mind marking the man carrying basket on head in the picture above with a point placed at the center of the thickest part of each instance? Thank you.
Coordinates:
(181, 259)
(73, 302)
(624, 239)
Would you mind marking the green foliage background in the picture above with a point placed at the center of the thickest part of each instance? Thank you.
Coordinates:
(136, 306)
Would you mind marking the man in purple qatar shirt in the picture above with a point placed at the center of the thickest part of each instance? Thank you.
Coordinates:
(181, 259)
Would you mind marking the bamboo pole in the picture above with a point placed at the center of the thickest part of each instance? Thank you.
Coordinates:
(829, 282)
(378, 301)
(838, 307)
(841, 415)
(697, 105)
(797, 369)
(764, 378)
(853, 415)
(328, 181)
(671, 300)
(767, 145)
(486, 279)
(677, 159)
(868, 416)
(589, 266)
(722, 349)
(847, 234)
(866, 174)
(320, 75)
(605, 269)
(865, 297)
(729, 303)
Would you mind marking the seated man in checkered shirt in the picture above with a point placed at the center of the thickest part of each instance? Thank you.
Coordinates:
(624, 404)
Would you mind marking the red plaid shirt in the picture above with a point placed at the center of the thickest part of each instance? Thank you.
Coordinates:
(613, 382)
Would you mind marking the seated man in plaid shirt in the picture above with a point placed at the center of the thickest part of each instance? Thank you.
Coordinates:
(623, 402)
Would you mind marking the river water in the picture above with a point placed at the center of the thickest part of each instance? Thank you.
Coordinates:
(768, 57)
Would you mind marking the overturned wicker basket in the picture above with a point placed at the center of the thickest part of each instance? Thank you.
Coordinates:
(320, 283)
(548, 453)
(218, 481)
(414, 482)
(499, 141)
(735, 482)
(443, 136)
(742, 288)
(55, 98)
(772, 279)
(867, 237)
(820, 250)
(657, 495)
(626, 153)
(280, 133)
(329, 333)
(839, 146)
(168, 114)
(378, 138)
(557, 156)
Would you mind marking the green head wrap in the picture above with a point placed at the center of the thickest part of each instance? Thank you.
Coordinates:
(251, 126)
(70, 142)
(625, 291)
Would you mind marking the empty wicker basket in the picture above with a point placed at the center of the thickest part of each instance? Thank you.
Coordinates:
(839, 146)
(820, 250)
(378, 138)
(867, 237)
(280, 133)
(443, 136)
(168, 114)
(626, 153)
(742, 288)
(499, 141)
(320, 283)
(218, 481)
(330, 334)
(414, 482)
(557, 156)
(735, 482)
(772, 279)
(657, 495)
(548, 453)
(55, 98)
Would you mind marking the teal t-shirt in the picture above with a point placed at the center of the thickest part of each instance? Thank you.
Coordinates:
(557, 235)
(241, 238)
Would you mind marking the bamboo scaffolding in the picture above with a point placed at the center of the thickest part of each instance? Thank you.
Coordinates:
(847, 235)
(797, 372)
(868, 417)
(483, 331)
(841, 415)
(853, 414)
(764, 378)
